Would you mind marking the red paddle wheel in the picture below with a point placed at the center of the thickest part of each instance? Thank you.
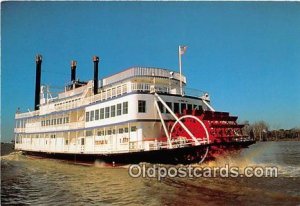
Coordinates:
(217, 129)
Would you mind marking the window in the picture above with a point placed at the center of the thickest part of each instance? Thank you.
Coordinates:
(169, 104)
(87, 117)
(126, 130)
(82, 141)
(54, 121)
(106, 112)
(142, 106)
(161, 107)
(124, 88)
(183, 107)
(125, 107)
(190, 107)
(67, 142)
(121, 131)
(113, 111)
(133, 129)
(109, 132)
(99, 133)
(113, 92)
(125, 139)
(114, 131)
(88, 133)
(102, 113)
(108, 92)
(97, 114)
(119, 109)
(176, 107)
(200, 108)
(92, 115)
(118, 90)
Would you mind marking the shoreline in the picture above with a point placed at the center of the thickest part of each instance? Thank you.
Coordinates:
(7, 148)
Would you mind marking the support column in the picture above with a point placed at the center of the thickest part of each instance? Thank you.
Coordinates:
(181, 124)
(163, 123)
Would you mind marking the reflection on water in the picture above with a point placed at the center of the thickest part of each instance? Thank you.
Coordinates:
(34, 181)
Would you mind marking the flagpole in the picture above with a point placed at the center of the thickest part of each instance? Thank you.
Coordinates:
(179, 59)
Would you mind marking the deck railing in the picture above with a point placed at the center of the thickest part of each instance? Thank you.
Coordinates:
(142, 71)
(27, 114)
(112, 93)
(107, 148)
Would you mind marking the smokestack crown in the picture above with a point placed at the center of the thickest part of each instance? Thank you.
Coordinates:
(95, 59)
(73, 63)
(38, 58)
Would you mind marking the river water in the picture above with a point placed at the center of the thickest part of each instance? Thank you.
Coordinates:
(31, 181)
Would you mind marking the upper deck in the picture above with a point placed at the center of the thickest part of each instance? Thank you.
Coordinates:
(135, 79)
(142, 72)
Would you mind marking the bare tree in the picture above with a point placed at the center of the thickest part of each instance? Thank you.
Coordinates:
(259, 129)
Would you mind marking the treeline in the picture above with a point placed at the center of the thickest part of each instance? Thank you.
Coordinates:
(260, 131)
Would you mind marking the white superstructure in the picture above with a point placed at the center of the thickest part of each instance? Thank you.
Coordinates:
(122, 117)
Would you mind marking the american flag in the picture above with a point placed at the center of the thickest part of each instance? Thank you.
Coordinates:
(182, 49)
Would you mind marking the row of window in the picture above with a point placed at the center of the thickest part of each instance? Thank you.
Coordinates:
(110, 131)
(57, 121)
(116, 110)
(107, 112)
(105, 141)
(178, 107)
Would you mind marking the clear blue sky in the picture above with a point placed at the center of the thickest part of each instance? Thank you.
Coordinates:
(247, 55)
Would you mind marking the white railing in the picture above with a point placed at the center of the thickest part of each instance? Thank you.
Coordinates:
(106, 148)
(113, 92)
(143, 87)
(194, 92)
(67, 126)
(19, 130)
(142, 71)
(27, 114)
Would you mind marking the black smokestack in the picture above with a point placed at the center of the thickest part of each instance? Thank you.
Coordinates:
(73, 70)
(38, 61)
(96, 61)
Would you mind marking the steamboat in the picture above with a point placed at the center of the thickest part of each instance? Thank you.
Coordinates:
(141, 114)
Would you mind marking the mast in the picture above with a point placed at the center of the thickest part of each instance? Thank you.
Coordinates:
(181, 51)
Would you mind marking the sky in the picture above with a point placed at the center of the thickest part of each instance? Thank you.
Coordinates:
(245, 54)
